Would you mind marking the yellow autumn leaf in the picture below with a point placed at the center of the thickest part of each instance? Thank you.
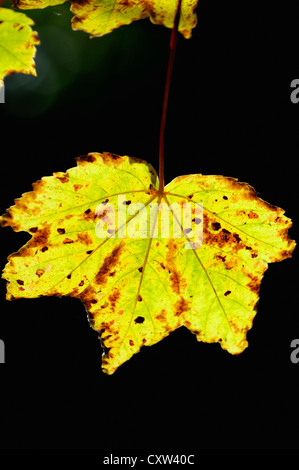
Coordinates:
(145, 263)
(17, 44)
(99, 17)
(33, 4)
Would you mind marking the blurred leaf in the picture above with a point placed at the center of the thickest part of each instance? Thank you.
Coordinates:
(99, 17)
(17, 43)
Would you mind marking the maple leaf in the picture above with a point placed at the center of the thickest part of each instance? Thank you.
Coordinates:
(99, 17)
(17, 44)
(137, 282)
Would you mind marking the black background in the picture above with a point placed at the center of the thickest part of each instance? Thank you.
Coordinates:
(229, 113)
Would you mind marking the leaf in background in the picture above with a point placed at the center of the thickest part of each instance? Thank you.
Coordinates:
(33, 4)
(17, 43)
(99, 17)
(163, 12)
(137, 289)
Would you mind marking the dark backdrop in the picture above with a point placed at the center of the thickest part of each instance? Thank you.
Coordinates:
(229, 113)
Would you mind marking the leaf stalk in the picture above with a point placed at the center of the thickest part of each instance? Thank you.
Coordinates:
(172, 47)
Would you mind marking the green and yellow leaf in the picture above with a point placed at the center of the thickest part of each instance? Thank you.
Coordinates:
(138, 287)
(36, 4)
(17, 44)
(100, 17)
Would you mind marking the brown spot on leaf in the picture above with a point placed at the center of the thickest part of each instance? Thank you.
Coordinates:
(222, 238)
(220, 257)
(6, 220)
(181, 306)
(139, 320)
(162, 315)
(78, 19)
(61, 231)
(127, 3)
(68, 240)
(85, 159)
(33, 229)
(131, 342)
(20, 282)
(216, 226)
(39, 272)
(285, 253)
(100, 216)
(81, 2)
(151, 190)
(175, 281)
(240, 213)
(89, 215)
(227, 293)
(236, 328)
(109, 263)
(175, 277)
(78, 186)
(63, 179)
(40, 238)
(44, 248)
(81, 283)
(253, 215)
(113, 298)
(106, 337)
(139, 298)
(229, 265)
(237, 237)
(85, 238)
(254, 284)
(34, 38)
(111, 159)
(106, 326)
(87, 295)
